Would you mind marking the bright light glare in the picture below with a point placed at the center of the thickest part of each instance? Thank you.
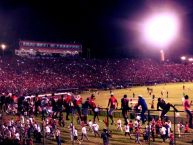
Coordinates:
(190, 59)
(160, 30)
(183, 58)
(3, 46)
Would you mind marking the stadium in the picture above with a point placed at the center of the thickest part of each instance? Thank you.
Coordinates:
(56, 91)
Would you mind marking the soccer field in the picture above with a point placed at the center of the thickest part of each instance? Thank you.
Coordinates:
(175, 93)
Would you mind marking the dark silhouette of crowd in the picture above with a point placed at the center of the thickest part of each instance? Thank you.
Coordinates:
(24, 76)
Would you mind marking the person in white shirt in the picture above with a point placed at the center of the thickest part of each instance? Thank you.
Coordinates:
(17, 136)
(31, 120)
(127, 130)
(22, 119)
(95, 128)
(163, 133)
(84, 133)
(119, 125)
(170, 123)
(58, 136)
(136, 123)
(13, 129)
(9, 123)
(71, 129)
(47, 131)
(38, 128)
(27, 121)
(179, 128)
(12, 122)
(47, 121)
(90, 125)
(38, 134)
(75, 134)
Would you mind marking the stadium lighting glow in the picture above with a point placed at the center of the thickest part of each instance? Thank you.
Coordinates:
(190, 59)
(3, 46)
(183, 58)
(161, 29)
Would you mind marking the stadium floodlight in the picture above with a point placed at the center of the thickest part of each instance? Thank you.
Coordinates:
(3, 46)
(190, 59)
(161, 29)
(183, 58)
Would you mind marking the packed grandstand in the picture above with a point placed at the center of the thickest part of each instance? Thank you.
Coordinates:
(22, 76)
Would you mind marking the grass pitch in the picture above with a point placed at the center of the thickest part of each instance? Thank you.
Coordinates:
(175, 93)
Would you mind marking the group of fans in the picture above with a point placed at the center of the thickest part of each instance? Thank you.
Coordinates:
(24, 76)
(51, 107)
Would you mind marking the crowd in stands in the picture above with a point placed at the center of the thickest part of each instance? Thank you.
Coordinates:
(29, 76)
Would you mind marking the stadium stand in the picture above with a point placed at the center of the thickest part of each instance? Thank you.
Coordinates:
(24, 76)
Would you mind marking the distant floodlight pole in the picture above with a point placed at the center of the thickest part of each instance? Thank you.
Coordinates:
(3, 47)
(162, 55)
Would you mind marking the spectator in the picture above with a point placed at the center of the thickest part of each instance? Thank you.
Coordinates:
(113, 103)
(58, 136)
(187, 106)
(105, 136)
(142, 103)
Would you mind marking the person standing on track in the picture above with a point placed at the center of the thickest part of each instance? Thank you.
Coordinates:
(113, 103)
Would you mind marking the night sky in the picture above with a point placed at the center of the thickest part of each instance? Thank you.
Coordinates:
(107, 27)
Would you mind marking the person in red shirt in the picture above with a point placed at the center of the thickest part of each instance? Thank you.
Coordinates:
(67, 105)
(14, 98)
(113, 103)
(131, 126)
(77, 105)
(91, 101)
(187, 106)
(153, 129)
(171, 138)
(105, 122)
(186, 129)
(94, 107)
